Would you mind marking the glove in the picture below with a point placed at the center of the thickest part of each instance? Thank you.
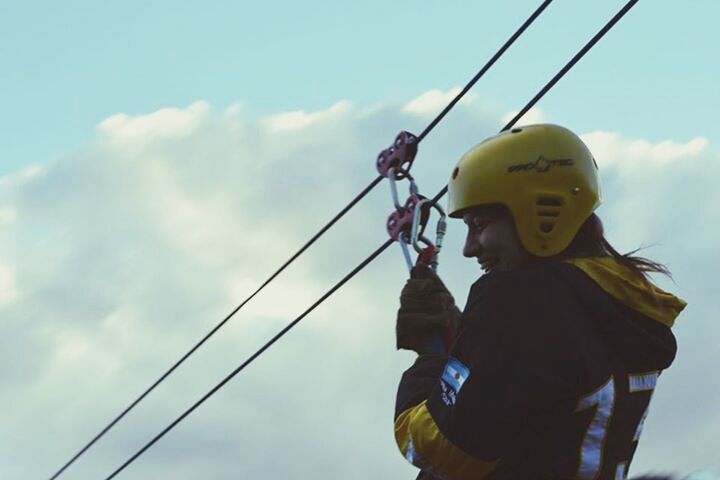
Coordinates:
(427, 318)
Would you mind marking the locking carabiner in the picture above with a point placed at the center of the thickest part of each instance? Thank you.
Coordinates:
(428, 255)
(399, 224)
(407, 224)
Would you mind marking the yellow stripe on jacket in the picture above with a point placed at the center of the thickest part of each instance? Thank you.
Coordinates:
(423, 444)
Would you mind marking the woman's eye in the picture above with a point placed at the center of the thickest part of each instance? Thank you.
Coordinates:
(480, 224)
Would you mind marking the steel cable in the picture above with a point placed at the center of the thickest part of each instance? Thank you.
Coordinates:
(576, 58)
(247, 362)
(310, 242)
(484, 69)
(216, 328)
(377, 252)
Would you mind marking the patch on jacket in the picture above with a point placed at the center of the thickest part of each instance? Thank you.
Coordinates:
(452, 380)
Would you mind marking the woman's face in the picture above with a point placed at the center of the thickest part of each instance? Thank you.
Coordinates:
(493, 240)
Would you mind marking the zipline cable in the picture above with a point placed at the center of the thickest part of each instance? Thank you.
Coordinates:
(484, 69)
(556, 78)
(216, 328)
(310, 242)
(572, 62)
(277, 337)
(375, 254)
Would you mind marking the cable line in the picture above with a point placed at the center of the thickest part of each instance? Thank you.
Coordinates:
(610, 24)
(310, 242)
(484, 69)
(375, 254)
(247, 362)
(581, 53)
(218, 327)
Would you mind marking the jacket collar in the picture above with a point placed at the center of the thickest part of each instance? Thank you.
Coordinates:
(630, 289)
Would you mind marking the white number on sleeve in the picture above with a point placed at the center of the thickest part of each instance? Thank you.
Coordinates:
(603, 399)
(592, 448)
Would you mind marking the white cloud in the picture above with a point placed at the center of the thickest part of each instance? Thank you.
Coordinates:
(125, 253)
(299, 119)
(22, 176)
(8, 288)
(7, 216)
(531, 117)
(433, 101)
(610, 148)
(166, 122)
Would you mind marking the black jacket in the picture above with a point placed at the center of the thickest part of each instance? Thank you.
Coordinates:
(550, 376)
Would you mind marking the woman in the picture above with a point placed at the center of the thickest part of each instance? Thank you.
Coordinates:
(549, 370)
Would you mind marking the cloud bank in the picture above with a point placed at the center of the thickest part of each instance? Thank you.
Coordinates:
(116, 258)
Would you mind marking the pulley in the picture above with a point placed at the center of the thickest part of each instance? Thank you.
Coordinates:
(398, 157)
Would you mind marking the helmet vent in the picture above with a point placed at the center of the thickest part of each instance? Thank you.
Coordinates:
(547, 227)
(548, 209)
(544, 212)
(549, 201)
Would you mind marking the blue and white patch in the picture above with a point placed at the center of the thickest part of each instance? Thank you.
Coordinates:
(452, 380)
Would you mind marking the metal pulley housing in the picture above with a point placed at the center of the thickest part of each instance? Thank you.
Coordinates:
(400, 222)
(398, 158)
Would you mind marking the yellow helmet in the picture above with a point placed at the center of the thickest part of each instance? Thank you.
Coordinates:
(544, 174)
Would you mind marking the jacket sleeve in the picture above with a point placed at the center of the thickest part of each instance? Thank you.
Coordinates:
(459, 416)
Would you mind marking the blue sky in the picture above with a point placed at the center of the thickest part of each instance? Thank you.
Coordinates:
(159, 159)
(68, 65)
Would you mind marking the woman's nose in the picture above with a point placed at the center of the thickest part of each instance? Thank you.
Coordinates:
(471, 246)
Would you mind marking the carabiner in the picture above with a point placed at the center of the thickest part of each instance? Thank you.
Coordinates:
(428, 255)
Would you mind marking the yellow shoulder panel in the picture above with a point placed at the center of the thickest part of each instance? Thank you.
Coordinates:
(423, 445)
(628, 288)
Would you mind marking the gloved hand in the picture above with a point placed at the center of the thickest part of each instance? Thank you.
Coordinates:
(428, 317)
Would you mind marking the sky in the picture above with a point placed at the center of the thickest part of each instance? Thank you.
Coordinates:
(160, 160)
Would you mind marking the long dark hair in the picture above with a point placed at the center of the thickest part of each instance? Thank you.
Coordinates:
(590, 241)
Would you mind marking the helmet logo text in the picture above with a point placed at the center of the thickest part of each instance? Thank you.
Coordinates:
(541, 165)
